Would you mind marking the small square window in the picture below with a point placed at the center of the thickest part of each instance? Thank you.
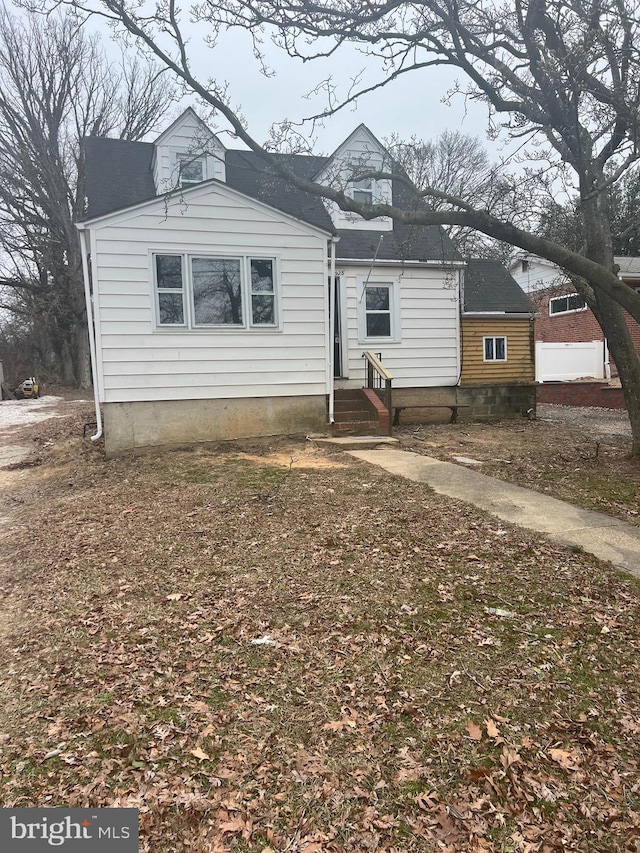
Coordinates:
(362, 191)
(191, 169)
(495, 349)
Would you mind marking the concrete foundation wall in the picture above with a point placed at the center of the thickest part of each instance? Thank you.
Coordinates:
(497, 401)
(128, 426)
(484, 401)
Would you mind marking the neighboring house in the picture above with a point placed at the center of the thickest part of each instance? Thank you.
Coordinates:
(211, 310)
(569, 342)
(497, 327)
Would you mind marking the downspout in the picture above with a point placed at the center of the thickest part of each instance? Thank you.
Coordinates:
(92, 339)
(332, 325)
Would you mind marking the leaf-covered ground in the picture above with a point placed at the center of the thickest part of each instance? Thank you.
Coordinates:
(278, 649)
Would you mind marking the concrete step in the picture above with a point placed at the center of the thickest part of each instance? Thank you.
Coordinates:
(353, 415)
(353, 428)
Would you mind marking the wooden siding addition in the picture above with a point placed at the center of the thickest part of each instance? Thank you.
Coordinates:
(519, 366)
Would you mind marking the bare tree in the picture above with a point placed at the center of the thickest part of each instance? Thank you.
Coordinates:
(564, 74)
(459, 165)
(56, 87)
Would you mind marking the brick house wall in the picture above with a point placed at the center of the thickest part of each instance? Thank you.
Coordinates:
(572, 326)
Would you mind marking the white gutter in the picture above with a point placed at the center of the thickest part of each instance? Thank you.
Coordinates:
(92, 340)
(332, 326)
(403, 262)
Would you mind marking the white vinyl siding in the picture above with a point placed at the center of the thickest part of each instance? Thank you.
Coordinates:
(358, 154)
(189, 138)
(425, 351)
(140, 361)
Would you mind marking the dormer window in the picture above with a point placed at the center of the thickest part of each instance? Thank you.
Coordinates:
(362, 191)
(191, 169)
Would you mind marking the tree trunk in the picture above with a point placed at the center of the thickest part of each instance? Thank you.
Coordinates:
(68, 375)
(613, 323)
(83, 363)
(609, 313)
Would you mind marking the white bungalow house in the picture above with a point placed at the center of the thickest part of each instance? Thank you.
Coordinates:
(207, 289)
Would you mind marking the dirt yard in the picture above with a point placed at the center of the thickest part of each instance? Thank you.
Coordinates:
(275, 648)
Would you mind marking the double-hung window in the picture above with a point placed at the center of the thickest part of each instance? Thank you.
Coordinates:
(169, 290)
(200, 291)
(190, 169)
(378, 310)
(495, 349)
(362, 190)
(378, 318)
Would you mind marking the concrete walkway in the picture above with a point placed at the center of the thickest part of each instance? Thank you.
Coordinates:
(607, 538)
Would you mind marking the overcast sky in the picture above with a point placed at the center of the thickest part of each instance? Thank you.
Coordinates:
(407, 107)
(411, 106)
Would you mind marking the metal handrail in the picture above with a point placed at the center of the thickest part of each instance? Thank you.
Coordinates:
(379, 379)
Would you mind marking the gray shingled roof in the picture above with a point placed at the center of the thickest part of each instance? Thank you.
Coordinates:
(118, 174)
(489, 287)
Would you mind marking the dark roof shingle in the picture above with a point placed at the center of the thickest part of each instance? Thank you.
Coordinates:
(119, 174)
(488, 286)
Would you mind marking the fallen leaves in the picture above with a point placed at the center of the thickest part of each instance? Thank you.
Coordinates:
(396, 714)
(200, 754)
(474, 730)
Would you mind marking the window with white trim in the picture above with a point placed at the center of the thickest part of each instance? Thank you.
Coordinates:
(566, 304)
(495, 349)
(202, 291)
(191, 170)
(378, 311)
(169, 290)
(363, 190)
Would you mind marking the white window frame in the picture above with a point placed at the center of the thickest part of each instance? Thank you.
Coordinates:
(568, 310)
(394, 310)
(191, 160)
(354, 187)
(494, 338)
(189, 323)
(178, 154)
(157, 290)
